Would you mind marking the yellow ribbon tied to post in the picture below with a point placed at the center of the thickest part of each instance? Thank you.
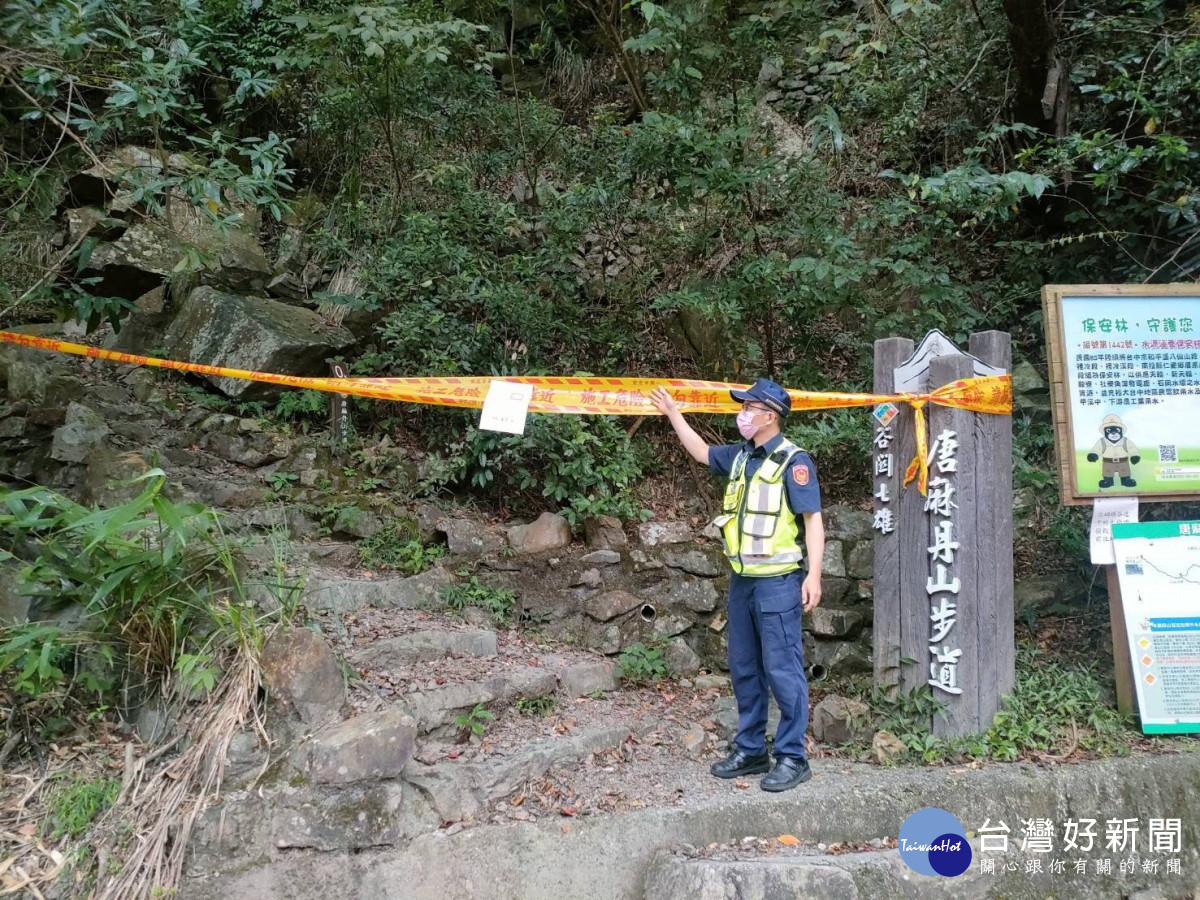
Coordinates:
(584, 395)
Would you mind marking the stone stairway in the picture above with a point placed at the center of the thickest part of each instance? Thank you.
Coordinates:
(391, 759)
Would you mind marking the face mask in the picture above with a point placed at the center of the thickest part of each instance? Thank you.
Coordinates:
(745, 423)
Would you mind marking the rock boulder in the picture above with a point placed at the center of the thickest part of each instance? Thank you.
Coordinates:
(79, 434)
(222, 329)
(584, 679)
(302, 674)
(549, 531)
(603, 533)
(652, 534)
(838, 720)
(370, 746)
(611, 604)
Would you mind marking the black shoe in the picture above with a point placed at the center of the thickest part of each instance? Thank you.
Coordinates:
(738, 763)
(1128, 482)
(788, 772)
(1106, 483)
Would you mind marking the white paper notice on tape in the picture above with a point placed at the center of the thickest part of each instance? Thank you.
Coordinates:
(505, 407)
(1105, 512)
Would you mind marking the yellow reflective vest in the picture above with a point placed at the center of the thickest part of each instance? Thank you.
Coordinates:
(759, 530)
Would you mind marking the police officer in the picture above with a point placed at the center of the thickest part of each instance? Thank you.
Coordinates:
(772, 485)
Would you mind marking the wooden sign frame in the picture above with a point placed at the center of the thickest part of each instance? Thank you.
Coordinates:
(1060, 399)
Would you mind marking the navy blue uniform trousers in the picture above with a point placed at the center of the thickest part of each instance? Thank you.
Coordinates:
(765, 651)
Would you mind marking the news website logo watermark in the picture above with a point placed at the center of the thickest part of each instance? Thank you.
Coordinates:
(1047, 847)
(933, 842)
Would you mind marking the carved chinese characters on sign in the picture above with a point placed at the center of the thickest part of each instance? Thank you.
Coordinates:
(884, 468)
(943, 586)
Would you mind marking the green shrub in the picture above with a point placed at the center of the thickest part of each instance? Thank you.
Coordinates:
(643, 663)
(304, 406)
(76, 802)
(1056, 705)
(497, 601)
(537, 707)
(159, 582)
(586, 466)
(393, 547)
(475, 721)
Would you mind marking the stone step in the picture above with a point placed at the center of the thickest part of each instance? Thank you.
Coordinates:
(372, 746)
(613, 856)
(424, 646)
(460, 790)
(873, 875)
(260, 820)
(341, 593)
(440, 706)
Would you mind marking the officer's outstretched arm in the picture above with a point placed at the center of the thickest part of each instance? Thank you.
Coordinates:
(695, 445)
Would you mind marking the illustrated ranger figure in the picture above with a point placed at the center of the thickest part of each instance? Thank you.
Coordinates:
(772, 486)
(1116, 452)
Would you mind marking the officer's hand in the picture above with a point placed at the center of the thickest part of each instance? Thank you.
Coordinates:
(1135, 459)
(810, 591)
(663, 401)
(1092, 457)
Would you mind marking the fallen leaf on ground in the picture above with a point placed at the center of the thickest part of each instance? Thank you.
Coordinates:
(789, 840)
(27, 829)
(568, 810)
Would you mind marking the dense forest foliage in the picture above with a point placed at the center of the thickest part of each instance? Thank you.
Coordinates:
(708, 188)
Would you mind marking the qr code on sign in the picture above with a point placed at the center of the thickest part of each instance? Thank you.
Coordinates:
(1168, 453)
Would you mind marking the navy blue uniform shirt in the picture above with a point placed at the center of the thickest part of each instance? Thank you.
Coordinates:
(803, 492)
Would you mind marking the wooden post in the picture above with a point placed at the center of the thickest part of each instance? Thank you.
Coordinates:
(994, 526)
(914, 563)
(889, 353)
(339, 409)
(962, 713)
(1122, 662)
(954, 558)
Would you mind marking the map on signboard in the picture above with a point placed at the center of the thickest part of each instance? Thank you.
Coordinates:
(1158, 564)
(1132, 373)
(912, 375)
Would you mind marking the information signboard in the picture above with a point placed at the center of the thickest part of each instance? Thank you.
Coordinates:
(1158, 564)
(1125, 386)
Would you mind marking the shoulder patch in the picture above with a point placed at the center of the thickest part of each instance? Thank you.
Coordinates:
(800, 474)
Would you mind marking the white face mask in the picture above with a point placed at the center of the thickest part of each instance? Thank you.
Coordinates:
(745, 423)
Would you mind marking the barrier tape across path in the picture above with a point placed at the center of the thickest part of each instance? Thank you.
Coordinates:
(583, 395)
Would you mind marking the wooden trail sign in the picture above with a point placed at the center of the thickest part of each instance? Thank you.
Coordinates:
(943, 562)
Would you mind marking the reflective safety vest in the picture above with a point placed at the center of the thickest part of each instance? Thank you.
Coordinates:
(760, 532)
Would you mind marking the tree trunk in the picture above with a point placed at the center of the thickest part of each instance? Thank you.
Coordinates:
(609, 17)
(1042, 84)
